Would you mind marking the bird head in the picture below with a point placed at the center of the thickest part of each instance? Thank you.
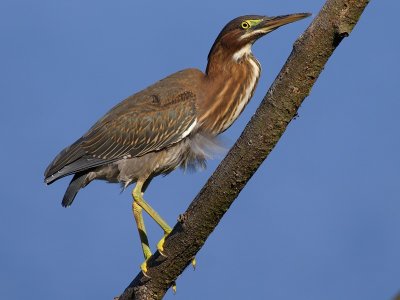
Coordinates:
(242, 32)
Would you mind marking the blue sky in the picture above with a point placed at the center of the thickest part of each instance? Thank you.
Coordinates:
(319, 220)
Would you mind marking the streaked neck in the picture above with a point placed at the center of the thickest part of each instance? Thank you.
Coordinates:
(231, 78)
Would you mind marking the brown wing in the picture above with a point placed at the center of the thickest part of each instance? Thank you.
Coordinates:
(150, 120)
(147, 125)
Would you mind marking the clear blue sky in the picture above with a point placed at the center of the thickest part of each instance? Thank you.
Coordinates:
(319, 220)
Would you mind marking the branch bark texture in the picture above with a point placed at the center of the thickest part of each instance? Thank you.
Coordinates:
(279, 106)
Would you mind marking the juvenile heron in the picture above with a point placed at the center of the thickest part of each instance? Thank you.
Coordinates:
(170, 123)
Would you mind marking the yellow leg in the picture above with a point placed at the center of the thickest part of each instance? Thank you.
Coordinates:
(138, 196)
(138, 204)
(137, 213)
(142, 204)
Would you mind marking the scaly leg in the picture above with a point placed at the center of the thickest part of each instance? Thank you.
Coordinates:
(139, 204)
(138, 200)
(137, 213)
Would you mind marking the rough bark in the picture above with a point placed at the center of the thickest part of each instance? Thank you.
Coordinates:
(293, 84)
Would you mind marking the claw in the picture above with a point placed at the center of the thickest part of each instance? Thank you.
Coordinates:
(160, 244)
(143, 267)
(174, 287)
(194, 263)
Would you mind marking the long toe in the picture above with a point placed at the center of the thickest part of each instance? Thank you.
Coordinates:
(160, 245)
(143, 267)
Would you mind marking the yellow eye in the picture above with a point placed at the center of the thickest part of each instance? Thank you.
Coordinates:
(245, 25)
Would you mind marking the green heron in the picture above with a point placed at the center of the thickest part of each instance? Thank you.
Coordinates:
(170, 123)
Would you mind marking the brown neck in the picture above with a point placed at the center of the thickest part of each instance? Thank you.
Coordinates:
(230, 80)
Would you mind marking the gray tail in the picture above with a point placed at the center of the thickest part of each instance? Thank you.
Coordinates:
(78, 181)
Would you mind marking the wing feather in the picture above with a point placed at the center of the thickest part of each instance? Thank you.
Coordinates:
(136, 126)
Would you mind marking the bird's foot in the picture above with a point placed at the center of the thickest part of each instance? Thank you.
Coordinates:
(160, 244)
(143, 267)
(160, 248)
(174, 287)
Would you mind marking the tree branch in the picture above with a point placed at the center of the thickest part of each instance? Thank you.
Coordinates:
(310, 53)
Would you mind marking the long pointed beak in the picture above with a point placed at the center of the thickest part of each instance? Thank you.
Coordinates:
(271, 23)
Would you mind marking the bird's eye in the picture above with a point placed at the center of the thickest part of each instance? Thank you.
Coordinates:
(245, 25)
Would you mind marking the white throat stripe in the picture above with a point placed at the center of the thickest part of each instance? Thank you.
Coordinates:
(246, 50)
